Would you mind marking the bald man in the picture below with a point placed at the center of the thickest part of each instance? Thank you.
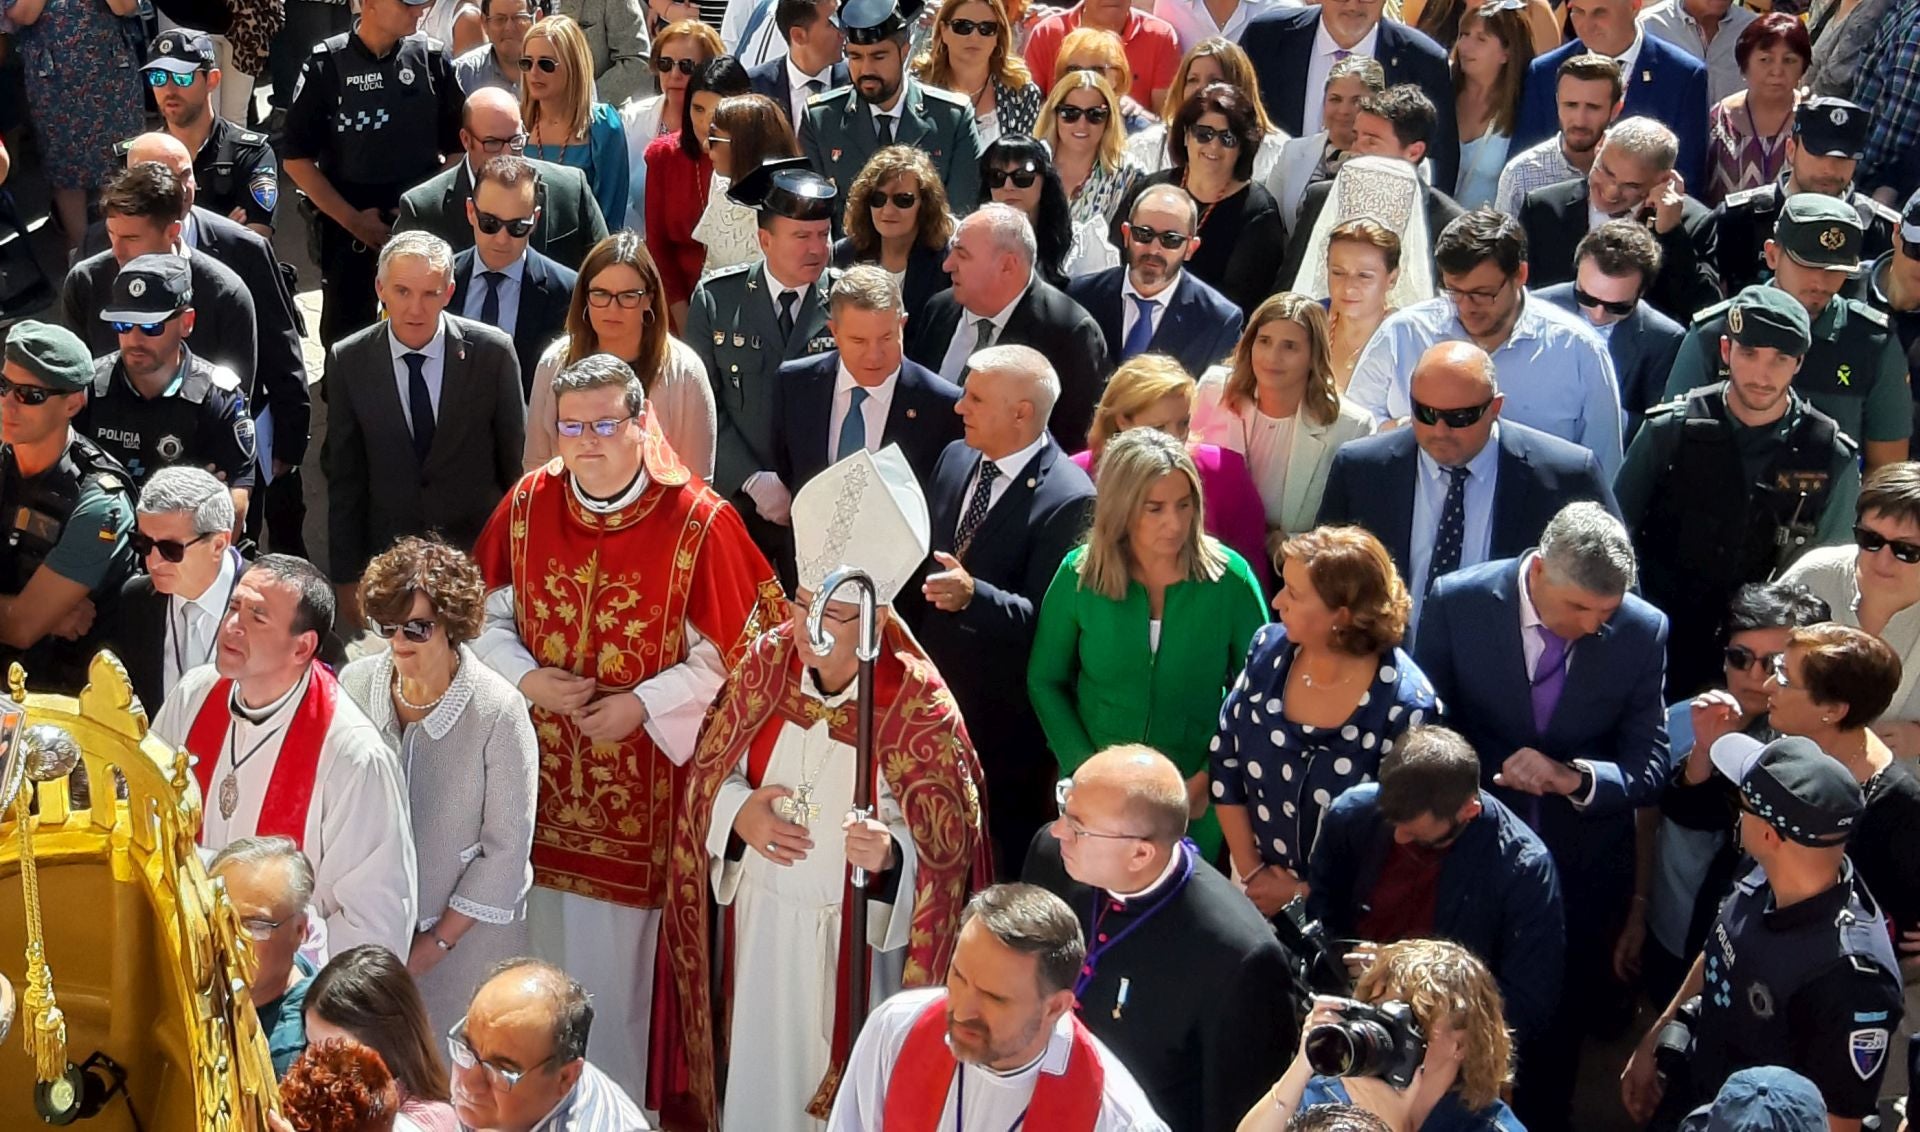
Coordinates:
(520, 1058)
(1459, 486)
(1185, 981)
(490, 125)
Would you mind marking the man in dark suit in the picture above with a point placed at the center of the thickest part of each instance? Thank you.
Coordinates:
(1458, 486)
(1152, 304)
(425, 422)
(517, 289)
(1663, 81)
(814, 63)
(1006, 505)
(1632, 179)
(1614, 266)
(997, 299)
(570, 220)
(1293, 48)
(168, 619)
(863, 393)
(1555, 674)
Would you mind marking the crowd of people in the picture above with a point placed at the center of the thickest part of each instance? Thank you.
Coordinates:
(1495, 414)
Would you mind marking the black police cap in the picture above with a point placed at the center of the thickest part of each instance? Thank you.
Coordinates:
(786, 186)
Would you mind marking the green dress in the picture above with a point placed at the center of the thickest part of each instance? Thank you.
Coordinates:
(1095, 680)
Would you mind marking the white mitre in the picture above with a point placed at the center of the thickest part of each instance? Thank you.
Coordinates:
(868, 512)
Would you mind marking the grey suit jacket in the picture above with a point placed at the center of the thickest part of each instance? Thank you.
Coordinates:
(377, 490)
(570, 220)
(617, 36)
(837, 137)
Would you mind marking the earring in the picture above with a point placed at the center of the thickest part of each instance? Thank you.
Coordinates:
(1826, 719)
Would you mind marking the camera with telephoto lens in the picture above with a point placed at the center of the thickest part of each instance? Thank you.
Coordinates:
(1381, 1041)
(1311, 960)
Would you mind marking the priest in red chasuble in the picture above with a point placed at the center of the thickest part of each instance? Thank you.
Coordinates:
(621, 590)
(766, 829)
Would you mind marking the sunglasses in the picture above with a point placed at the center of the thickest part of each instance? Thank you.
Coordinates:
(602, 298)
(901, 201)
(1453, 418)
(150, 329)
(1095, 115)
(515, 144)
(491, 224)
(1872, 541)
(1021, 178)
(603, 429)
(667, 63)
(1168, 239)
(1622, 308)
(28, 394)
(1207, 135)
(548, 63)
(1741, 658)
(975, 27)
(158, 79)
(1778, 666)
(419, 630)
(173, 550)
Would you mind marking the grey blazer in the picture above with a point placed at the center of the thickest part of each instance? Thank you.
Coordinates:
(377, 490)
(617, 36)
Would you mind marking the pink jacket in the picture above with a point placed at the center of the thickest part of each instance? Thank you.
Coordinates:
(1235, 514)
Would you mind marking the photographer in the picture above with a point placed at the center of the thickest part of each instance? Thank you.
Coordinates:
(1455, 1054)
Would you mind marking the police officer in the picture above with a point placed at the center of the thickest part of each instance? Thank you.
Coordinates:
(1829, 135)
(1728, 484)
(237, 174)
(376, 110)
(154, 403)
(1799, 969)
(1854, 371)
(65, 511)
(844, 127)
(745, 321)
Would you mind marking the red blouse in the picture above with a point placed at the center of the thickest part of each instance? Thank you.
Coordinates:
(676, 196)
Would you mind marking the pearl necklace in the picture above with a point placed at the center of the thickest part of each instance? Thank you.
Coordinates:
(399, 694)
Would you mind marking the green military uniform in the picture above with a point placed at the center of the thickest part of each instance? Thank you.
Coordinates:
(1855, 371)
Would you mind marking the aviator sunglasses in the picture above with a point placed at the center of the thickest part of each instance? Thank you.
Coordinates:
(419, 630)
(547, 63)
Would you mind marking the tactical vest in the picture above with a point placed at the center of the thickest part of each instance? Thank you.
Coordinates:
(385, 122)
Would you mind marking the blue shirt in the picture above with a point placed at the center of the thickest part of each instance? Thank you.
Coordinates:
(1449, 1115)
(1430, 484)
(509, 287)
(1554, 370)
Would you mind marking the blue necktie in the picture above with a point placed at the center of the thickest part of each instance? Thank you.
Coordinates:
(490, 302)
(1452, 532)
(1142, 332)
(419, 405)
(853, 430)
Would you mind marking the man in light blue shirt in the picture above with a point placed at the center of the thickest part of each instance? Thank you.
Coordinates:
(1554, 372)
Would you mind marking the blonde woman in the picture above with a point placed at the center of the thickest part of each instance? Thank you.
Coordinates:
(1153, 391)
(1145, 627)
(564, 124)
(972, 53)
(1276, 405)
(897, 217)
(1080, 124)
(1210, 61)
(1363, 266)
(620, 308)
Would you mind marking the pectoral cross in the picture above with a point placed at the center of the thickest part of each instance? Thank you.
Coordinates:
(798, 807)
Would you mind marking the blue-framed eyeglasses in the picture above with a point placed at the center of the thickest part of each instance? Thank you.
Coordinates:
(603, 428)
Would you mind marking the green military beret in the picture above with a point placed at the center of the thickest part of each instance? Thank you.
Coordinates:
(51, 353)
(1764, 315)
(1820, 231)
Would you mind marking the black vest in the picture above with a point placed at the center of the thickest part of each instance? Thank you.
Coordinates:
(386, 119)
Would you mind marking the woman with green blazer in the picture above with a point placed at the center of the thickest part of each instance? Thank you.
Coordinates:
(1146, 626)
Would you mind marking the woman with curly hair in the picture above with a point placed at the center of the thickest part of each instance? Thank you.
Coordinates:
(1018, 170)
(337, 1087)
(364, 995)
(464, 737)
(972, 53)
(565, 125)
(897, 217)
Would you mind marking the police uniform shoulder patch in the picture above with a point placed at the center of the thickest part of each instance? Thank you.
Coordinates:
(1867, 1051)
(825, 96)
(264, 188)
(109, 481)
(328, 46)
(1675, 409)
(1708, 314)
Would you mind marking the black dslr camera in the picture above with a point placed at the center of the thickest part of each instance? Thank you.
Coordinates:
(1312, 961)
(1381, 1041)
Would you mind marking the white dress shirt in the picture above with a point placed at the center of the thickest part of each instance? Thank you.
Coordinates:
(1631, 55)
(436, 351)
(873, 411)
(797, 92)
(509, 287)
(1130, 307)
(1319, 63)
(1010, 469)
(776, 288)
(967, 334)
(893, 116)
(193, 625)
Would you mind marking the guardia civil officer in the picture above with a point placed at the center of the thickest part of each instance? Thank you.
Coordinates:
(1799, 970)
(154, 403)
(234, 168)
(1829, 135)
(884, 105)
(1730, 483)
(745, 321)
(1854, 372)
(376, 111)
(65, 511)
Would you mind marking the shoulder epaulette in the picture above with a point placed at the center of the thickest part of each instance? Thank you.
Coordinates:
(250, 138)
(1869, 312)
(1708, 314)
(1747, 197)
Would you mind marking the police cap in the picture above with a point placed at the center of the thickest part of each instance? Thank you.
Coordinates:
(1820, 231)
(181, 50)
(870, 21)
(786, 186)
(51, 353)
(150, 288)
(1832, 127)
(1764, 315)
(1793, 786)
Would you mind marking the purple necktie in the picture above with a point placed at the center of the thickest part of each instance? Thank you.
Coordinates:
(1549, 677)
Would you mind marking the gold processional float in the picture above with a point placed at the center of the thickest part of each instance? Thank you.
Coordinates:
(133, 968)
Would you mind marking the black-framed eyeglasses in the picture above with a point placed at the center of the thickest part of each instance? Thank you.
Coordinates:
(260, 930)
(1476, 298)
(1619, 307)
(504, 1080)
(1207, 135)
(667, 63)
(1452, 418)
(150, 329)
(1741, 658)
(1872, 541)
(1168, 239)
(1021, 178)
(547, 63)
(603, 298)
(987, 28)
(515, 144)
(1095, 115)
(419, 630)
(158, 79)
(28, 394)
(901, 201)
(1062, 791)
(510, 19)
(1778, 667)
(490, 224)
(173, 550)
(602, 428)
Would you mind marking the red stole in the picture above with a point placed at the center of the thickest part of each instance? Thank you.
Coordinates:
(923, 1076)
(283, 812)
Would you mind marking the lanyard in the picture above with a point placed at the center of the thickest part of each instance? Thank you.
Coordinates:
(960, 1099)
(1099, 913)
(179, 633)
